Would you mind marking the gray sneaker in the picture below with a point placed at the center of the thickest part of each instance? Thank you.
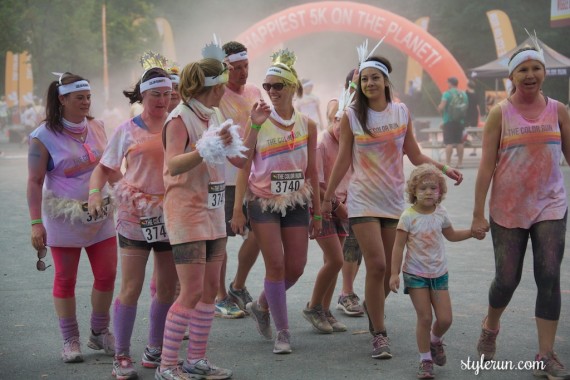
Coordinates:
(487, 344)
(203, 369)
(551, 367)
(123, 368)
(316, 316)
(241, 297)
(175, 373)
(336, 325)
(350, 305)
(262, 320)
(104, 341)
(282, 343)
(381, 347)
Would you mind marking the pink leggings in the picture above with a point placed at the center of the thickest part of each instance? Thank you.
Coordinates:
(103, 259)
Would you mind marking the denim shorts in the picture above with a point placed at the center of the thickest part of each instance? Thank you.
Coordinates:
(411, 281)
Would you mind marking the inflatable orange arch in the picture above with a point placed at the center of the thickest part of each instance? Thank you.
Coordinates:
(364, 19)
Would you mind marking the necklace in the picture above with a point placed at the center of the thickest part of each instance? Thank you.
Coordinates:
(287, 123)
(80, 137)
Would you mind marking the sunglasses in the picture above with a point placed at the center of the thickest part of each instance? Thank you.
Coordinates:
(275, 86)
(40, 265)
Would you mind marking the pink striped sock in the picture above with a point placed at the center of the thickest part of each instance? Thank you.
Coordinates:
(176, 321)
(68, 327)
(200, 326)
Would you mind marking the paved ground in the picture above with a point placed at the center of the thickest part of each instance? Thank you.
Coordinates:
(30, 340)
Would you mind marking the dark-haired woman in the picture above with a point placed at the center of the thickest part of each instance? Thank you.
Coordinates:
(140, 223)
(63, 152)
(524, 139)
(375, 134)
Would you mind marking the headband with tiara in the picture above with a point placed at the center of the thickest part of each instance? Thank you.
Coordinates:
(281, 63)
(64, 89)
(214, 50)
(150, 60)
(363, 55)
(526, 55)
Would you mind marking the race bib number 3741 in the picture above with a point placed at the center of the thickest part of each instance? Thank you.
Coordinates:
(216, 194)
(153, 228)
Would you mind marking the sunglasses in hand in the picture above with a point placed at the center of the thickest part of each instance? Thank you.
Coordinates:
(40, 264)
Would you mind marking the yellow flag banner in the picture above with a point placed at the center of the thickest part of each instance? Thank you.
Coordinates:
(414, 71)
(503, 34)
(502, 31)
(11, 79)
(25, 80)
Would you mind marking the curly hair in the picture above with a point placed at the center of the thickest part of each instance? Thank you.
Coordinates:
(419, 174)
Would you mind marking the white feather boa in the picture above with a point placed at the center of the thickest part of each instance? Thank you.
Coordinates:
(70, 209)
(136, 200)
(280, 203)
(212, 149)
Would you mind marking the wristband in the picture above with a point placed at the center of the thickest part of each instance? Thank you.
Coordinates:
(36, 221)
(256, 127)
(444, 169)
(317, 217)
(353, 85)
(93, 191)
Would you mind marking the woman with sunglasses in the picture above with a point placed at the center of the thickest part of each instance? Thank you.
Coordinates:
(194, 212)
(140, 222)
(63, 152)
(283, 183)
(375, 133)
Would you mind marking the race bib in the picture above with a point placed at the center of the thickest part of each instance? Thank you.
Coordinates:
(153, 228)
(216, 194)
(87, 218)
(286, 182)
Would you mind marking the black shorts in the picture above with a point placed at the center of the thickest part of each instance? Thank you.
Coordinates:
(158, 246)
(452, 133)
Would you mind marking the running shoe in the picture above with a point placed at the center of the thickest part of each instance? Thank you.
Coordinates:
(240, 296)
(103, 341)
(175, 373)
(350, 305)
(426, 370)
(381, 346)
(203, 369)
(316, 316)
(438, 353)
(552, 368)
(71, 352)
(262, 320)
(282, 342)
(151, 357)
(487, 344)
(336, 325)
(123, 368)
(226, 308)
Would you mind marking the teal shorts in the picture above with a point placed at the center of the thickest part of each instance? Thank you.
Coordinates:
(411, 281)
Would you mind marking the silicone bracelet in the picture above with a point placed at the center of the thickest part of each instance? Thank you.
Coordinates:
(256, 127)
(36, 221)
(317, 217)
(93, 191)
(444, 169)
(353, 85)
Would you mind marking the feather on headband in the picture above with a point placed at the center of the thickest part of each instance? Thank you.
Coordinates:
(363, 55)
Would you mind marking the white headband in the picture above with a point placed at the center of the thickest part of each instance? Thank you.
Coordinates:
(278, 71)
(154, 83)
(223, 77)
(375, 64)
(242, 55)
(175, 78)
(81, 85)
(525, 56)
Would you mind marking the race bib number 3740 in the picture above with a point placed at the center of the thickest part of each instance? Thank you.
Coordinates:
(286, 182)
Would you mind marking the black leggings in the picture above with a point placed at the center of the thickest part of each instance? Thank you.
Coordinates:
(548, 240)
